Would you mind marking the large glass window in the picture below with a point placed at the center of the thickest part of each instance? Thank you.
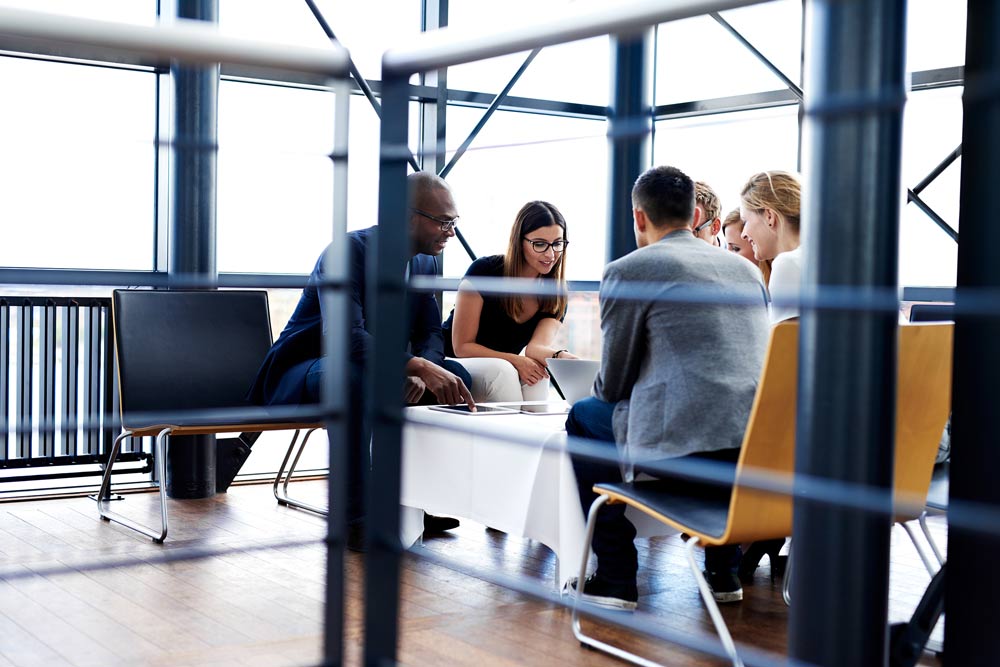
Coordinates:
(367, 29)
(932, 129)
(724, 150)
(935, 34)
(574, 72)
(275, 198)
(521, 157)
(76, 166)
(698, 59)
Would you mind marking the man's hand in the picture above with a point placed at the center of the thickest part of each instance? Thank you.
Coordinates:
(413, 389)
(447, 387)
(528, 370)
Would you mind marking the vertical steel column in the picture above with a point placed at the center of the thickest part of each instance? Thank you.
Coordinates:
(336, 385)
(385, 379)
(191, 464)
(433, 115)
(854, 96)
(970, 638)
(630, 126)
(195, 137)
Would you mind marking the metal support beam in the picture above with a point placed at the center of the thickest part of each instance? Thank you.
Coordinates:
(336, 389)
(791, 85)
(914, 198)
(970, 638)
(938, 170)
(192, 253)
(855, 91)
(630, 128)
(494, 105)
(384, 384)
(433, 116)
(196, 123)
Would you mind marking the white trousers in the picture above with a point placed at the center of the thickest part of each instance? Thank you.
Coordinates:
(496, 381)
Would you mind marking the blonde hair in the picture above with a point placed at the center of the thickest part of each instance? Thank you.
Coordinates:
(779, 191)
(732, 218)
(535, 215)
(705, 197)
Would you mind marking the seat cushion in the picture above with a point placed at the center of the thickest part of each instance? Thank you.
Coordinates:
(702, 508)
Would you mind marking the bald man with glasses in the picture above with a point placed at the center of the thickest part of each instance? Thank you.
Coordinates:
(292, 372)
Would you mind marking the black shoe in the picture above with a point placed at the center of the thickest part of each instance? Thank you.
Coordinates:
(751, 559)
(356, 538)
(605, 594)
(725, 586)
(439, 524)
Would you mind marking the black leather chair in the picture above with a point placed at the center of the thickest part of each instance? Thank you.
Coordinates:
(186, 359)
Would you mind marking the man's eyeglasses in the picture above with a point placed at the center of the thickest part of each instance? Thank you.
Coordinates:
(543, 246)
(447, 224)
(707, 223)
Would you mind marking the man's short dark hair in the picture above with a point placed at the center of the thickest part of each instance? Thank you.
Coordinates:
(666, 195)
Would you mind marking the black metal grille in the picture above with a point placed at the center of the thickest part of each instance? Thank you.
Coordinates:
(58, 387)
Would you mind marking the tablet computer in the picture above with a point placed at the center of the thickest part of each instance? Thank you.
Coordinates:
(552, 408)
(481, 410)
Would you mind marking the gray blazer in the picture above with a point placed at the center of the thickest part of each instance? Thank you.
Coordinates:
(683, 375)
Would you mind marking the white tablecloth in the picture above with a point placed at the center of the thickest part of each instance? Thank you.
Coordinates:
(468, 467)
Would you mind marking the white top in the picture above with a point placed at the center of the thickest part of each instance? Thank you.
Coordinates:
(785, 284)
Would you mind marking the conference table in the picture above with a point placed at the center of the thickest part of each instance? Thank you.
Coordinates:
(511, 472)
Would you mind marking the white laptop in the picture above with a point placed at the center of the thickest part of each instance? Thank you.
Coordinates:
(573, 378)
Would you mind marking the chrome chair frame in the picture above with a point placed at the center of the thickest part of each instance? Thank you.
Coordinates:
(281, 479)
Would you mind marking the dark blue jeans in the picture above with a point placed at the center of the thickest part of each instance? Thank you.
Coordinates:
(359, 453)
(614, 535)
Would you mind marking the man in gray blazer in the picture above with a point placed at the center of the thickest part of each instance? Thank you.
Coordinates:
(667, 359)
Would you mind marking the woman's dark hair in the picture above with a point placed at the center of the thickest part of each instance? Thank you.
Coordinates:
(535, 215)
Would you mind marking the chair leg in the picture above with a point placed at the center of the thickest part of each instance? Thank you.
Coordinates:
(282, 478)
(577, 630)
(710, 604)
(786, 582)
(159, 455)
(930, 538)
(931, 570)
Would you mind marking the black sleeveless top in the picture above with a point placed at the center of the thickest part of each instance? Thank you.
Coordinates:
(497, 330)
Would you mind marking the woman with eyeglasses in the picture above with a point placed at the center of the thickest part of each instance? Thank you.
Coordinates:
(489, 331)
(769, 204)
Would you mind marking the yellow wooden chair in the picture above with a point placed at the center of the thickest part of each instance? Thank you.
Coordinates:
(924, 381)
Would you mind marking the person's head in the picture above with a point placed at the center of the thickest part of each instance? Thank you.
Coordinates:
(732, 230)
(433, 215)
(662, 202)
(769, 205)
(709, 207)
(537, 248)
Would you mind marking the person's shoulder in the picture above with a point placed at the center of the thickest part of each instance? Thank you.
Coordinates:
(491, 265)
(424, 264)
(791, 260)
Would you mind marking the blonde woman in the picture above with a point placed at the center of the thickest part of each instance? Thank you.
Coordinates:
(488, 332)
(769, 205)
(732, 232)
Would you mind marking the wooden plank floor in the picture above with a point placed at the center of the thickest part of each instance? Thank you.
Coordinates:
(259, 599)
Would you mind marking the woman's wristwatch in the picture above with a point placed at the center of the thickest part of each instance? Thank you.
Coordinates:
(557, 353)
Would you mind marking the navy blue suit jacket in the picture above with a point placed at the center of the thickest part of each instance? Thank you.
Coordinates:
(281, 378)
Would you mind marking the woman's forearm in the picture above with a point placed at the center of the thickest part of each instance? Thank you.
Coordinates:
(477, 350)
